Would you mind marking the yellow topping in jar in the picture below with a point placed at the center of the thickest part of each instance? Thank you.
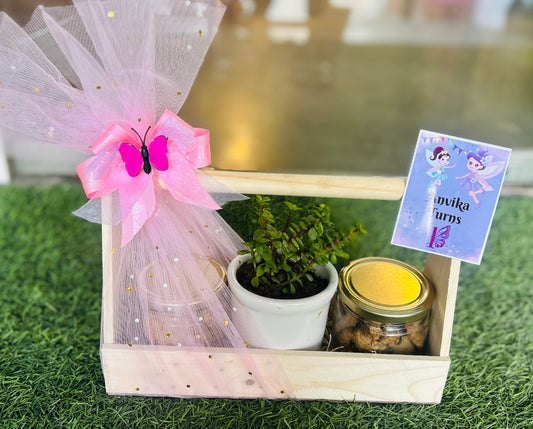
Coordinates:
(385, 283)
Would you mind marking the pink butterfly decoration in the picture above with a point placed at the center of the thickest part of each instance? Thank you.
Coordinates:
(136, 159)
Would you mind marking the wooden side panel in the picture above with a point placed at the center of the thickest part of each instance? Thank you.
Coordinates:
(444, 274)
(312, 375)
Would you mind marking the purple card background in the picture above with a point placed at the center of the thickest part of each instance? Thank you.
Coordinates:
(438, 213)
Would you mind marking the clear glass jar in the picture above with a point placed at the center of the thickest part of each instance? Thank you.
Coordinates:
(382, 306)
(170, 317)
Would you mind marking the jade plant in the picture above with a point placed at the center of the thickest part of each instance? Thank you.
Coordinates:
(284, 251)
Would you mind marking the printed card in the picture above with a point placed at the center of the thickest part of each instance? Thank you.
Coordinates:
(451, 195)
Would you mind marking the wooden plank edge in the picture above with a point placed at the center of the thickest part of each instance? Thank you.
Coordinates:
(107, 285)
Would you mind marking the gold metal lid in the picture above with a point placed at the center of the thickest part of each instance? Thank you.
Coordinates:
(385, 290)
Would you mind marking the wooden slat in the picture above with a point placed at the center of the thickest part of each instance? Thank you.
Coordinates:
(168, 371)
(380, 188)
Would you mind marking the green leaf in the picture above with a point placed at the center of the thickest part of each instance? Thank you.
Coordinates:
(313, 234)
(260, 270)
(255, 282)
(258, 234)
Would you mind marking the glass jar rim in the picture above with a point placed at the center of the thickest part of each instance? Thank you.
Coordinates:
(206, 264)
(367, 308)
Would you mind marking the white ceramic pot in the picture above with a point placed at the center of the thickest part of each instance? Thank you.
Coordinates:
(282, 323)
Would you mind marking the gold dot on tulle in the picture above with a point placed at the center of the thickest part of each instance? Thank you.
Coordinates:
(198, 337)
(200, 32)
(210, 356)
(3, 106)
(137, 389)
(110, 14)
(139, 119)
(151, 275)
(113, 250)
(178, 93)
(156, 247)
(206, 226)
(37, 89)
(226, 323)
(98, 87)
(129, 344)
(128, 288)
(168, 334)
(69, 106)
(245, 344)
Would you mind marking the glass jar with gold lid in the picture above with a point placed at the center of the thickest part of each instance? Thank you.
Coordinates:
(383, 306)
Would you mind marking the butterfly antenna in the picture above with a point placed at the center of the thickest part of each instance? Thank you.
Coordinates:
(146, 133)
(140, 138)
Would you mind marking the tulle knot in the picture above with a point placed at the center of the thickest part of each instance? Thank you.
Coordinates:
(120, 164)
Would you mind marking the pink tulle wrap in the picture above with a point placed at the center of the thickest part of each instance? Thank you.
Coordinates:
(84, 77)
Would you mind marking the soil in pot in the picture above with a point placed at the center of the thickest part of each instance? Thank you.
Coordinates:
(246, 272)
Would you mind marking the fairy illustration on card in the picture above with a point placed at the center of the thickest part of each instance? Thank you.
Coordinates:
(439, 160)
(481, 168)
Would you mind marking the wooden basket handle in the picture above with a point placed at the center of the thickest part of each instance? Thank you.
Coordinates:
(310, 185)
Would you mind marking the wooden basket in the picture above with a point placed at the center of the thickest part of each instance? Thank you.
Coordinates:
(312, 374)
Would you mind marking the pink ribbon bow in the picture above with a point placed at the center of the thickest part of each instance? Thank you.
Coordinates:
(107, 171)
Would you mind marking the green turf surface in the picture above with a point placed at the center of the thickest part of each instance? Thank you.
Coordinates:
(50, 288)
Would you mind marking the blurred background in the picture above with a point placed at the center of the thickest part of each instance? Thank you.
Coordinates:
(344, 86)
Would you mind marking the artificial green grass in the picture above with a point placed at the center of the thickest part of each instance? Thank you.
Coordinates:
(50, 288)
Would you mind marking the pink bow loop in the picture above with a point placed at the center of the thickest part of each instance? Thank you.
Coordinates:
(105, 172)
